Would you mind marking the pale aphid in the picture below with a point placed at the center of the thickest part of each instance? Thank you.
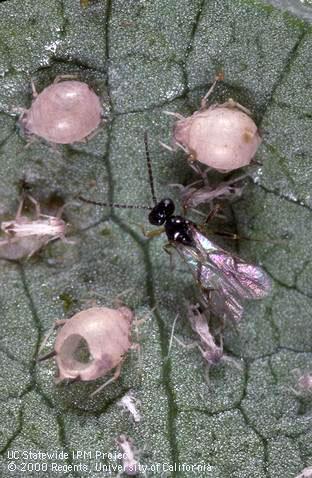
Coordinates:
(130, 464)
(91, 344)
(25, 236)
(129, 403)
(65, 112)
(221, 136)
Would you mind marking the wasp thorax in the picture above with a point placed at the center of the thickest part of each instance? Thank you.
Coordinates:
(178, 230)
(161, 212)
(92, 343)
(64, 112)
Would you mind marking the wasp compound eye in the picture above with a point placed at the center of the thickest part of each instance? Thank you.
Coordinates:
(161, 212)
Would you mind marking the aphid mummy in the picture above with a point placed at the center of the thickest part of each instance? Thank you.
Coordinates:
(222, 136)
(224, 279)
(130, 464)
(26, 236)
(306, 473)
(91, 344)
(64, 112)
(129, 403)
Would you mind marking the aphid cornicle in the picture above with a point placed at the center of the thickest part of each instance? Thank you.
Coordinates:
(65, 112)
(225, 280)
(91, 344)
(221, 136)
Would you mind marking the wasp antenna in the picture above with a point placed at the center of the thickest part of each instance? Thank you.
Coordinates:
(149, 168)
(114, 205)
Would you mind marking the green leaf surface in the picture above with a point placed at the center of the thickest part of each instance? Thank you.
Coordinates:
(144, 58)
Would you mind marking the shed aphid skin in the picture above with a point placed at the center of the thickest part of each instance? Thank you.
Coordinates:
(65, 112)
(25, 236)
(201, 192)
(91, 344)
(306, 473)
(225, 280)
(129, 403)
(211, 352)
(130, 464)
(303, 383)
(222, 136)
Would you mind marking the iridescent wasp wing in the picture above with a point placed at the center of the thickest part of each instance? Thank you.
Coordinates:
(225, 280)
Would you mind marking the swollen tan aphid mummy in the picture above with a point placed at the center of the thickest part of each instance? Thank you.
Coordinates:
(129, 402)
(26, 236)
(130, 464)
(222, 136)
(65, 112)
(91, 344)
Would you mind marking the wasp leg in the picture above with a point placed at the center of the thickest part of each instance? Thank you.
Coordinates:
(168, 249)
(151, 234)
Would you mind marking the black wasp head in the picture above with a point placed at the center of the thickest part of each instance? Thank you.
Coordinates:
(161, 212)
(178, 230)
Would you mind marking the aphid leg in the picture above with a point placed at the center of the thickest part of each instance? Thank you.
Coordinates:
(33, 88)
(214, 211)
(30, 140)
(166, 146)
(171, 335)
(218, 77)
(46, 356)
(36, 204)
(57, 323)
(191, 159)
(112, 379)
(59, 78)
(36, 249)
(233, 104)
(118, 302)
(19, 210)
(173, 113)
(190, 346)
(182, 147)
